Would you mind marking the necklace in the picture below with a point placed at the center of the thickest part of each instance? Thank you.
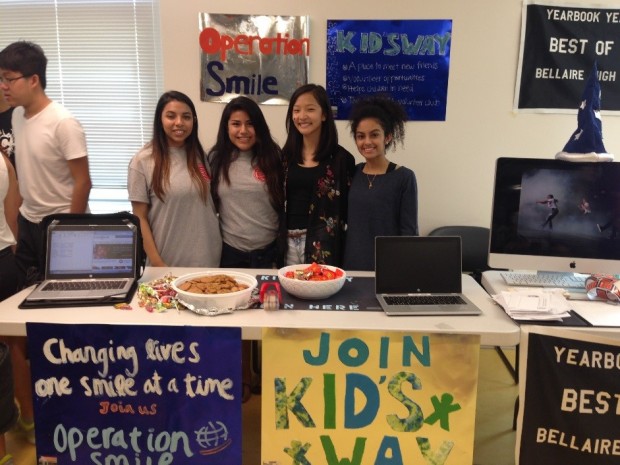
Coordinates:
(370, 181)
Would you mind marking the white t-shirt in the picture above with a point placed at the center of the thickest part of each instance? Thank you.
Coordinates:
(43, 145)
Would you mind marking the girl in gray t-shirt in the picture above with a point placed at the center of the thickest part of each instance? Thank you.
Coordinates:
(169, 190)
(247, 187)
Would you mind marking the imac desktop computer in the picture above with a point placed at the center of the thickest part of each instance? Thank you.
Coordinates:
(557, 220)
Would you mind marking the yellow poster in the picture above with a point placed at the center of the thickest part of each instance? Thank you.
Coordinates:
(368, 397)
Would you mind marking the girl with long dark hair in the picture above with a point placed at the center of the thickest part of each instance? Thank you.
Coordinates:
(318, 174)
(169, 190)
(247, 187)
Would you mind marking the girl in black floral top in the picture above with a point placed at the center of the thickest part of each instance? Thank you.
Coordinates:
(318, 174)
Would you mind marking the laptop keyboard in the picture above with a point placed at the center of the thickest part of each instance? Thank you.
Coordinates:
(424, 300)
(84, 285)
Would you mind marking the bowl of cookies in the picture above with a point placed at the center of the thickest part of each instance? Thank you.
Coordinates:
(214, 292)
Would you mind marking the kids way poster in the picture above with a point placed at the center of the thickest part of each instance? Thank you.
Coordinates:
(262, 57)
(136, 395)
(408, 60)
(368, 398)
(560, 42)
(570, 398)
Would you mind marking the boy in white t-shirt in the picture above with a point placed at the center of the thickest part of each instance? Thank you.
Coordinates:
(50, 152)
(52, 167)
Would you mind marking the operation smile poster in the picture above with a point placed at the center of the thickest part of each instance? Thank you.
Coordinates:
(262, 57)
(365, 397)
(570, 398)
(559, 44)
(136, 395)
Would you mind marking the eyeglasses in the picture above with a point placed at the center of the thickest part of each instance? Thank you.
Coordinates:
(9, 81)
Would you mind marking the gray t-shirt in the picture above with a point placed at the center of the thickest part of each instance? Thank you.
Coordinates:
(185, 230)
(247, 217)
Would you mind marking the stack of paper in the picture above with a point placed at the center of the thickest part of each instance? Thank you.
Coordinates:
(534, 303)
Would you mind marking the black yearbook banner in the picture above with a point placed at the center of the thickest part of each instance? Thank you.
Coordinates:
(570, 398)
(559, 45)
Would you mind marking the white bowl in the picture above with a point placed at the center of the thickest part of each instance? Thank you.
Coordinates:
(214, 303)
(310, 289)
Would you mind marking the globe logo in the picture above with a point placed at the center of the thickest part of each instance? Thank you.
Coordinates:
(213, 438)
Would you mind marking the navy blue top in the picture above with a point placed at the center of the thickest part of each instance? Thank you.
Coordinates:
(388, 208)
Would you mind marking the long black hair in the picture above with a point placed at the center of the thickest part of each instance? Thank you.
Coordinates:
(160, 148)
(328, 141)
(266, 154)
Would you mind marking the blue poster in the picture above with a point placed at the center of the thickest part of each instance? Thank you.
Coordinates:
(127, 395)
(408, 60)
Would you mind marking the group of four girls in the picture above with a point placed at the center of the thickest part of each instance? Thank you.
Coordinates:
(259, 206)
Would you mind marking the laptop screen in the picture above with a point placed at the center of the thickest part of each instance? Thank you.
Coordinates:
(91, 251)
(417, 264)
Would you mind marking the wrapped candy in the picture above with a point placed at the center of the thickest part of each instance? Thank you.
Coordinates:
(158, 295)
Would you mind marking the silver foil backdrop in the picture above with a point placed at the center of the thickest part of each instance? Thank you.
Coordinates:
(262, 57)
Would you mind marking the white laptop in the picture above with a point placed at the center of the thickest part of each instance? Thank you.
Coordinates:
(420, 275)
(88, 262)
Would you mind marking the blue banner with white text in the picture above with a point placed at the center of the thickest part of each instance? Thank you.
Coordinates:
(111, 394)
(408, 60)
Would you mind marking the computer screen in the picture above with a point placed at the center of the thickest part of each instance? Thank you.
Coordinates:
(92, 250)
(557, 216)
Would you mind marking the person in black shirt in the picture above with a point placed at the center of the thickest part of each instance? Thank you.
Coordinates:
(6, 129)
(318, 174)
(552, 203)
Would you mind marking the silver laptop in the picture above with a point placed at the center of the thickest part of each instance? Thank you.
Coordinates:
(88, 262)
(420, 275)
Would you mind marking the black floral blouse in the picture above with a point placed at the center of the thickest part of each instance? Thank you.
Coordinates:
(327, 220)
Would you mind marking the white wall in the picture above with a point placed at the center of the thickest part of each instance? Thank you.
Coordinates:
(453, 159)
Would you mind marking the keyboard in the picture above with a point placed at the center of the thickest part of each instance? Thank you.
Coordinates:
(424, 300)
(88, 285)
(561, 280)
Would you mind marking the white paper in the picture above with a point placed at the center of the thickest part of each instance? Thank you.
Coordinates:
(534, 303)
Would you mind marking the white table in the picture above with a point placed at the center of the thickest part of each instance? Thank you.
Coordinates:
(604, 317)
(493, 325)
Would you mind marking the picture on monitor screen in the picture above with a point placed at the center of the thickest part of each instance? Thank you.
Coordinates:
(554, 215)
